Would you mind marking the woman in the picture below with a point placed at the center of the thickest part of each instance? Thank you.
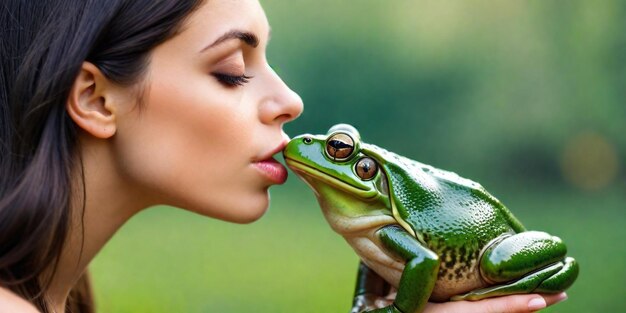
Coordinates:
(110, 107)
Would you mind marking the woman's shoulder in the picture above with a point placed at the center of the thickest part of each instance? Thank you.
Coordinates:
(10, 302)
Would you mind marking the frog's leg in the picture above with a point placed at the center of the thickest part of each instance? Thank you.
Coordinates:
(420, 272)
(369, 287)
(530, 262)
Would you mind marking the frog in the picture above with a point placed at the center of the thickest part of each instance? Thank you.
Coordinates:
(422, 233)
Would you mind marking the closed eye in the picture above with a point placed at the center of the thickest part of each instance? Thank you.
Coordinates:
(232, 80)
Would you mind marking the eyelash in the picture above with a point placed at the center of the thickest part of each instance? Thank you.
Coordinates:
(232, 80)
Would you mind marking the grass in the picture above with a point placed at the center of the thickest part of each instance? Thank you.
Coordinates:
(169, 260)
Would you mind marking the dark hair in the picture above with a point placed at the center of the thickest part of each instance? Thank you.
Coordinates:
(43, 44)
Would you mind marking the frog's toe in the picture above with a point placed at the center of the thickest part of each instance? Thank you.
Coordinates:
(562, 280)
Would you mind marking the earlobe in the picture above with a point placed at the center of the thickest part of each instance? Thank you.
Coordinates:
(89, 103)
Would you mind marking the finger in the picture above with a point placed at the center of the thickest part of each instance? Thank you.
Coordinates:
(383, 302)
(515, 304)
(508, 304)
(554, 298)
(392, 295)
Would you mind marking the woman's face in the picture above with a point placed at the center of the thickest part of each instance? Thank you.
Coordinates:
(205, 134)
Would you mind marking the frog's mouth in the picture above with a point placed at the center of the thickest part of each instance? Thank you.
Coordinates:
(301, 168)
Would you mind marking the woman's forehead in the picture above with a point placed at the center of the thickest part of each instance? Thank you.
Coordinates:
(218, 17)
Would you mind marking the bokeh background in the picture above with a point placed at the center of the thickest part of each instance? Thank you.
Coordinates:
(526, 97)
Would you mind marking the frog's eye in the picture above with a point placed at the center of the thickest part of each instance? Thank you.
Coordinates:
(339, 147)
(366, 168)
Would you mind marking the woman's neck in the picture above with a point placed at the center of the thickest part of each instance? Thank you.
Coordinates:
(108, 203)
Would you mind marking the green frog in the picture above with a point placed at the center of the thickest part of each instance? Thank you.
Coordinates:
(425, 233)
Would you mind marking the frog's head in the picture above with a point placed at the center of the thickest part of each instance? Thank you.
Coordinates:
(346, 179)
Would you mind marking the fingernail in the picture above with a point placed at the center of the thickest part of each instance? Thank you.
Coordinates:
(537, 304)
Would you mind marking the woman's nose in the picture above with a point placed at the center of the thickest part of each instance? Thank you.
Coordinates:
(281, 104)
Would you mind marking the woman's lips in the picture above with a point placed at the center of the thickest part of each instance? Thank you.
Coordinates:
(273, 170)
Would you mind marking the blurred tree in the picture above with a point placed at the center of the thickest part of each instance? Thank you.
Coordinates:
(494, 91)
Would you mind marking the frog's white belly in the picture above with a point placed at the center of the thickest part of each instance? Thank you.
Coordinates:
(360, 235)
(368, 248)
(359, 232)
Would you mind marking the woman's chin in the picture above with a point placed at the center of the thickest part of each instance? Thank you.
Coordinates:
(252, 212)
(244, 211)
(250, 218)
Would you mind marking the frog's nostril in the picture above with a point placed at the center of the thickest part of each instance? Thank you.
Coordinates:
(307, 140)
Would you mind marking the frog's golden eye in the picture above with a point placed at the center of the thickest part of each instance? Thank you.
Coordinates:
(339, 147)
(366, 168)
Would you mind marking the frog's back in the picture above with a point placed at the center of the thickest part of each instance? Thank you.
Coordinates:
(443, 209)
(455, 217)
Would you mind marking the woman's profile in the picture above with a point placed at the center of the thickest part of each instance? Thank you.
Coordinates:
(110, 107)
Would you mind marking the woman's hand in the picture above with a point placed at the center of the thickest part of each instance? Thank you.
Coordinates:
(507, 304)
(523, 303)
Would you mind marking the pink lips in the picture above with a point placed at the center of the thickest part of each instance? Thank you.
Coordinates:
(273, 170)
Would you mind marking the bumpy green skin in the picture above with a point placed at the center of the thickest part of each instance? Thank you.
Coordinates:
(447, 229)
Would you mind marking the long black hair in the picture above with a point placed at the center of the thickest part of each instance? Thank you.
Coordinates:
(43, 44)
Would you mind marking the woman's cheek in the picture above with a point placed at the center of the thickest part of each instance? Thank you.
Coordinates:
(187, 159)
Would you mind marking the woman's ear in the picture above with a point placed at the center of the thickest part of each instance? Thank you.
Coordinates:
(91, 102)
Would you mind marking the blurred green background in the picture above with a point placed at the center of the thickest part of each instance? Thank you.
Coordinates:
(526, 97)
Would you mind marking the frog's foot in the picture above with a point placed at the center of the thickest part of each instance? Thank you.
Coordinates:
(370, 303)
(524, 263)
(372, 291)
(552, 279)
(388, 309)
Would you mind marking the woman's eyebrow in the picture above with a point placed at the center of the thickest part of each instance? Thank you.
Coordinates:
(249, 38)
